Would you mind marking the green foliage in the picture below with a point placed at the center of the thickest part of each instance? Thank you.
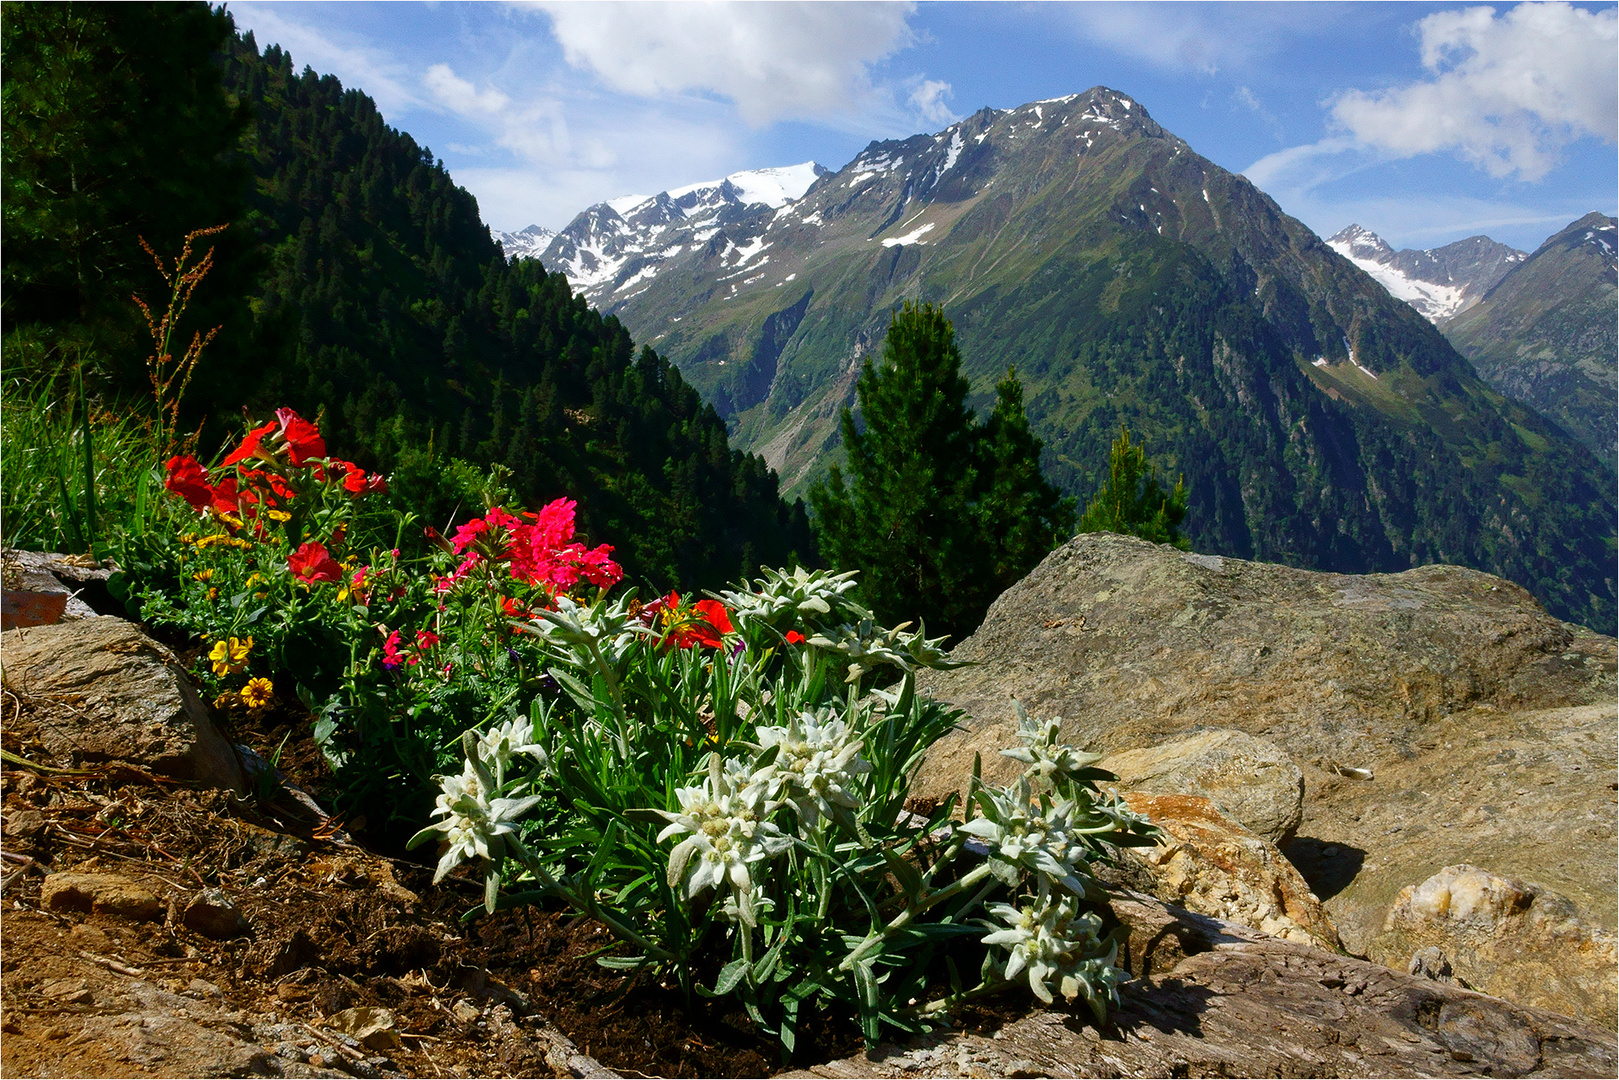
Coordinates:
(1132, 502)
(116, 128)
(712, 784)
(939, 514)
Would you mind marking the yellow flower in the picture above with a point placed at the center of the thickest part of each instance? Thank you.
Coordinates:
(257, 693)
(278, 515)
(213, 593)
(204, 575)
(229, 657)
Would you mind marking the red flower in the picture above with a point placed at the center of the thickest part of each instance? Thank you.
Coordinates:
(302, 438)
(226, 499)
(426, 639)
(390, 651)
(713, 621)
(312, 563)
(189, 480)
(250, 444)
(794, 638)
(357, 482)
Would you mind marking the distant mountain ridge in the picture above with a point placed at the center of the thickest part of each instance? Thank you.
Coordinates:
(610, 248)
(1441, 282)
(1319, 421)
(525, 243)
(1545, 332)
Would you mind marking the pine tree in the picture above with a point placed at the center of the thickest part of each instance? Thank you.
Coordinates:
(1132, 502)
(937, 513)
(1021, 516)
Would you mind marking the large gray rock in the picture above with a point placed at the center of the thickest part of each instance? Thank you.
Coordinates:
(1216, 999)
(1254, 782)
(1439, 715)
(1503, 937)
(104, 691)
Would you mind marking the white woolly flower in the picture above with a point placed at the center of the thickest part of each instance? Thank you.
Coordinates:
(497, 745)
(801, 594)
(1037, 838)
(474, 824)
(816, 764)
(1049, 760)
(1054, 944)
(724, 823)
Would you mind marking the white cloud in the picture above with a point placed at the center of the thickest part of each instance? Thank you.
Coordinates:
(460, 96)
(1203, 39)
(1508, 93)
(927, 98)
(773, 60)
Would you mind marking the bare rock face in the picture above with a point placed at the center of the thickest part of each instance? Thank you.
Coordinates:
(1215, 999)
(110, 693)
(1252, 781)
(1209, 864)
(1502, 937)
(1439, 716)
(41, 588)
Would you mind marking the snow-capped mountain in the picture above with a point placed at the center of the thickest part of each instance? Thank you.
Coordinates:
(1440, 283)
(611, 250)
(525, 244)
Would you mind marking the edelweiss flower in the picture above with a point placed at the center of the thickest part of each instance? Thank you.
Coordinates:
(816, 764)
(725, 820)
(497, 745)
(1038, 839)
(1054, 941)
(1050, 761)
(473, 822)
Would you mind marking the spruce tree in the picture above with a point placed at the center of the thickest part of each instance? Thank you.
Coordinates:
(1021, 516)
(1132, 502)
(938, 514)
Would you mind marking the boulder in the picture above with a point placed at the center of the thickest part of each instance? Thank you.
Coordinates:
(1216, 999)
(1252, 781)
(1439, 715)
(104, 691)
(1503, 937)
(41, 588)
(212, 914)
(1209, 864)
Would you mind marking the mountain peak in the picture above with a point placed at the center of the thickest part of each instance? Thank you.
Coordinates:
(1440, 283)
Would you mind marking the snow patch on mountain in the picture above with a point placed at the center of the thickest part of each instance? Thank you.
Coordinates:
(1439, 283)
(524, 244)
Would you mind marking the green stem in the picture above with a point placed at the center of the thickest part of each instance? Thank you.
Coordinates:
(903, 919)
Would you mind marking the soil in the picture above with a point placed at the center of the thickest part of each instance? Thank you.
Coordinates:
(330, 926)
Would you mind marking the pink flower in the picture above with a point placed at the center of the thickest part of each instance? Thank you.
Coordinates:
(390, 651)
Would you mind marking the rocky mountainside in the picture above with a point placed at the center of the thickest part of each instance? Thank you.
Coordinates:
(1440, 282)
(1545, 333)
(1318, 421)
(1454, 739)
(611, 250)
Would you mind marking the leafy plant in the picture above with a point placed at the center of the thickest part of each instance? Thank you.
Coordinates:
(722, 787)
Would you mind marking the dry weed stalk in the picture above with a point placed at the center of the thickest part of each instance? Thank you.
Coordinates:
(161, 367)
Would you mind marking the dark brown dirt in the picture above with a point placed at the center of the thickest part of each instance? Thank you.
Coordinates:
(333, 925)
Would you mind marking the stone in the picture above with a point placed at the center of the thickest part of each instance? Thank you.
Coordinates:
(104, 691)
(1216, 999)
(372, 1027)
(1488, 727)
(212, 914)
(1252, 781)
(42, 588)
(1209, 864)
(1510, 938)
(103, 894)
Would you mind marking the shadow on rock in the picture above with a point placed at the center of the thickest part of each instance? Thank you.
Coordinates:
(1328, 868)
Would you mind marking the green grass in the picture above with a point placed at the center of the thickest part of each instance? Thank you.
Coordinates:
(58, 448)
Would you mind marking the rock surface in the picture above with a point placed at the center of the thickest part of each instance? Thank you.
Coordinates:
(1487, 727)
(104, 894)
(107, 692)
(41, 588)
(1216, 999)
(1503, 937)
(1252, 781)
(1210, 864)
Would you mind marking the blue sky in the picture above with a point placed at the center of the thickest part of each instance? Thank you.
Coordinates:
(1426, 123)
